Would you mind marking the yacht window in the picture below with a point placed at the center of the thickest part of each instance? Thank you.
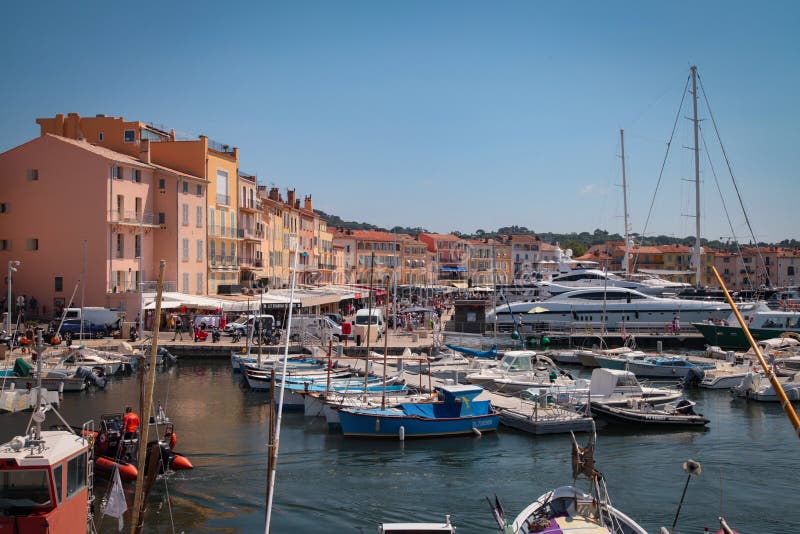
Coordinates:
(23, 488)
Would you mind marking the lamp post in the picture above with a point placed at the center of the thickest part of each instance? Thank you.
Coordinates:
(12, 268)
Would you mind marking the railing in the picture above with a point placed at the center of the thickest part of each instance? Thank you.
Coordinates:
(223, 261)
(223, 199)
(220, 147)
(249, 204)
(130, 216)
(327, 266)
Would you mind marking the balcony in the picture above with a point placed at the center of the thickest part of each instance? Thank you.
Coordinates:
(131, 217)
(225, 200)
(220, 262)
(248, 204)
(327, 267)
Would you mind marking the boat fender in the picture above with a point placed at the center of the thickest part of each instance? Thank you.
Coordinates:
(402, 433)
(476, 431)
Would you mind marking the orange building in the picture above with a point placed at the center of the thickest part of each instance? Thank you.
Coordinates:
(68, 205)
(215, 163)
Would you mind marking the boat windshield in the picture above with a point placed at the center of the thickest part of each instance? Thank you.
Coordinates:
(516, 363)
(23, 489)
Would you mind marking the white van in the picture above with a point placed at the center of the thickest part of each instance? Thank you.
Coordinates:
(319, 326)
(377, 321)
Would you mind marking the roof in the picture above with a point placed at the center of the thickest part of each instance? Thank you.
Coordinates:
(367, 235)
(58, 445)
(441, 237)
(102, 152)
(179, 173)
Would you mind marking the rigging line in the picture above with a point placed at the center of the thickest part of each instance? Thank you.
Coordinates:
(663, 165)
(722, 199)
(733, 179)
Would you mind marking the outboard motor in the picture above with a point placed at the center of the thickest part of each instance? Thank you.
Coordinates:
(693, 378)
(167, 358)
(90, 376)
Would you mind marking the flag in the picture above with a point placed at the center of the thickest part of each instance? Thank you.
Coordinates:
(116, 505)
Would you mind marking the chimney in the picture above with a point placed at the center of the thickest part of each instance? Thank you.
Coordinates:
(274, 194)
(290, 197)
(297, 204)
(307, 203)
(172, 134)
(144, 151)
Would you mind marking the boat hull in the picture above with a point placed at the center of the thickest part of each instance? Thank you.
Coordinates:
(624, 416)
(732, 337)
(382, 425)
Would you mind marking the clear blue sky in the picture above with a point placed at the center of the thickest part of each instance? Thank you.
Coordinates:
(448, 115)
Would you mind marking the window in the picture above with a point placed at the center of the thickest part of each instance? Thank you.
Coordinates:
(100, 136)
(137, 175)
(76, 475)
(162, 218)
(222, 187)
(199, 190)
(221, 223)
(59, 284)
(138, 206)
(162, 184)
(130, 136)
(116, 172)
(200, 283)
(33, 175)
(185, 187)
(185, 214)
(185, 282)
(137, 245)
(25, 488)
(199, 250)
(790, 270)
(211, 223)
(212, 249)
(58, 475)
(3, 207)
(185, 248)
(120, 245)
(199, 216)
(33, 244)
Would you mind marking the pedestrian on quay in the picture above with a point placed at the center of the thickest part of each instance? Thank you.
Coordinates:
(178, 328)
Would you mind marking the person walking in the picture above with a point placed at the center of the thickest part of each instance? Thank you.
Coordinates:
(178, 328)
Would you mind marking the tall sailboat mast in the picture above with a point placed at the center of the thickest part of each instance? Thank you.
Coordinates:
(697, 249)
(626, 260)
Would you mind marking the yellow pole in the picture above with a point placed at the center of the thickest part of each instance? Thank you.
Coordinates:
(776, 385)
(136, 519)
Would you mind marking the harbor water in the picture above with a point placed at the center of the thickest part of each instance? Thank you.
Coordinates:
(329, 483)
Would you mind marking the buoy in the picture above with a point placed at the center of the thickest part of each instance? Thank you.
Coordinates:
(402, 433)
(476, 431)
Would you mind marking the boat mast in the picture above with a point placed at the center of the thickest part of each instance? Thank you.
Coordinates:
(626, 258)
(369, 322)
(137, 517)
(274, 460)
(697, 250)
(385, 348)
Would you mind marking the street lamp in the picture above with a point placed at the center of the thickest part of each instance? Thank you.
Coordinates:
(12, 268)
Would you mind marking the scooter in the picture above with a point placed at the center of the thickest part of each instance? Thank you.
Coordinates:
(215, 335)
(200, 334)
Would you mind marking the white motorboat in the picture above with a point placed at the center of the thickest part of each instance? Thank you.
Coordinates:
(756, 386)
(726, 375)
(94, 359)
(609, 308)
(519, 370)
(614, 387)
(671, 367)
(418, 528)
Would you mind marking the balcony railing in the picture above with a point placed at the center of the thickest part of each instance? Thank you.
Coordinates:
(130, 216)
(225, 200)
(327, 266)
(223, 261)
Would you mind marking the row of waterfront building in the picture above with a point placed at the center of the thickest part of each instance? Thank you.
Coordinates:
(102, 199)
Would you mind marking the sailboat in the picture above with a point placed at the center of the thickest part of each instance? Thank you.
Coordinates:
(568, 509)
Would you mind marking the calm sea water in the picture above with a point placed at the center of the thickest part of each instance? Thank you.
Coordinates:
(329, 483)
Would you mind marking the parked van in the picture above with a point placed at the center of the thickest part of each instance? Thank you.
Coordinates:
(99, 316)
(375, 323)
(319, 326)
(243, 324)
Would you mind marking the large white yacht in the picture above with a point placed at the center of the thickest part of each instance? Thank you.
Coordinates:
(584, 278)
(610, 307)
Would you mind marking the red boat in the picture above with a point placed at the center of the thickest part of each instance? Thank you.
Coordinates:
(44, 482)
(111, 449)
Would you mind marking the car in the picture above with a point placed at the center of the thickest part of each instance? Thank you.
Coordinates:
(72, 329)
(335, 317)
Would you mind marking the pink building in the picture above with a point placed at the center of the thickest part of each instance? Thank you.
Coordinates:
(66, 204)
